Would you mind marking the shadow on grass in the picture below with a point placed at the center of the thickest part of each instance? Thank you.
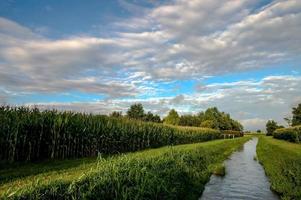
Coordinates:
(10, 172)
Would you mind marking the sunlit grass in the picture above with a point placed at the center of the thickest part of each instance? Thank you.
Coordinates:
(171, 172)
(282, 164)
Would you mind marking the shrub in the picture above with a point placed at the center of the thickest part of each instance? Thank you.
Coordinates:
(292, 134)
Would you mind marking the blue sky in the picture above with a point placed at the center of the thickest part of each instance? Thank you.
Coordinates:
(241, 56)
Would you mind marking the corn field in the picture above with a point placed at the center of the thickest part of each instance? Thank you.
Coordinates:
(28, 134)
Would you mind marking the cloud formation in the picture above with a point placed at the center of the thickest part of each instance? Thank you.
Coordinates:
(252, 102)
(177, 40)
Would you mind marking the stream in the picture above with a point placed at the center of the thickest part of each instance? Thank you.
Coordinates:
(244, 179)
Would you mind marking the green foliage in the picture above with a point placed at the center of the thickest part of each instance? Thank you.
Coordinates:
(281, 161)
(211, 118)
(296, 115)
(172, 118)
(150, 117)
(271, 126)
(190, 120)
(292, 134)
(30, 134)
(136, 111)
(208, 124)
(178, 172)
(116, 114)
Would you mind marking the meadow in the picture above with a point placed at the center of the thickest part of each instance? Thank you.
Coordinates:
(172, 172)
(282, 163)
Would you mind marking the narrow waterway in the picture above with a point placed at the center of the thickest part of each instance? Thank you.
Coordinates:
(244, 179)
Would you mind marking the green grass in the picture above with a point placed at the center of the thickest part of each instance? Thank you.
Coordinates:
(177, 172)
(282, 164)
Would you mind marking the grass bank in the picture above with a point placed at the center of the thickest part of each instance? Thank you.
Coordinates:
(282, 163)
(178, 172)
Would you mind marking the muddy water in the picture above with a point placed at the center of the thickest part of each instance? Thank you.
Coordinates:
(245, 178)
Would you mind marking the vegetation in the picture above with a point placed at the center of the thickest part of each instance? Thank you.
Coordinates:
(296, 120)
(178, 172)
(211, 118)
(30, 134)
(172, 118)
(292, 134)
(271, 126)
(281, 161)
(136, 111)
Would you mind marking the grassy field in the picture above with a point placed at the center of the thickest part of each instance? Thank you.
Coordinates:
(174, 172)
(282, 164)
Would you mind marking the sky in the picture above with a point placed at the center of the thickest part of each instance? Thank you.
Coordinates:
(98, 56)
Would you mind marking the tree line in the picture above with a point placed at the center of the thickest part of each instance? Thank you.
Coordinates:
(211, 118)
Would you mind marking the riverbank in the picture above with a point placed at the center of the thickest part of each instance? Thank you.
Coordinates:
(178, 172)
(282, 163)
(244, 179)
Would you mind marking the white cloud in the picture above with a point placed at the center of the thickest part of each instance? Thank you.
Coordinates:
(175, 41)
(252, 103)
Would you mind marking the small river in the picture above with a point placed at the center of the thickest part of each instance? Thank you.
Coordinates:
(244, 179)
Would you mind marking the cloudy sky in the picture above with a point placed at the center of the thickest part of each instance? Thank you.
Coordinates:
(243, 56)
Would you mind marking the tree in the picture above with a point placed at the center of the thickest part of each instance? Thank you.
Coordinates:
(288, 121)
(116, 114)
(136, 111)
(258, 131)
(208, 124)
(189, 120)
(296, 115)
(172, 117)
(271, 126)
(150, 117)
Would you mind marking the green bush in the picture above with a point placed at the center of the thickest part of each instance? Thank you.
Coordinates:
(30, 134)
(292, 134)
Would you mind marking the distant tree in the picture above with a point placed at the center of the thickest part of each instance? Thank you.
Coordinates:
(236, 126)
(136, 111)
(150, 117)
(207, 124)
(220, 120)
(296, 120)
(157, 119)
(116, 114)
(288, 121)
(271, 126)
(172, 117)
(258, 131)
(189, 120)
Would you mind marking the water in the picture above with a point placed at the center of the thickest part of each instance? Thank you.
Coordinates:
(245, 178)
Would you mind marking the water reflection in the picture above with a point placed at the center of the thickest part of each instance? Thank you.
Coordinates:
(245, 178)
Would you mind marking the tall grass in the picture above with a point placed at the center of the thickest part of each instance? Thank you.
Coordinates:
(30, 134)
(177, 172)
(282, 164)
